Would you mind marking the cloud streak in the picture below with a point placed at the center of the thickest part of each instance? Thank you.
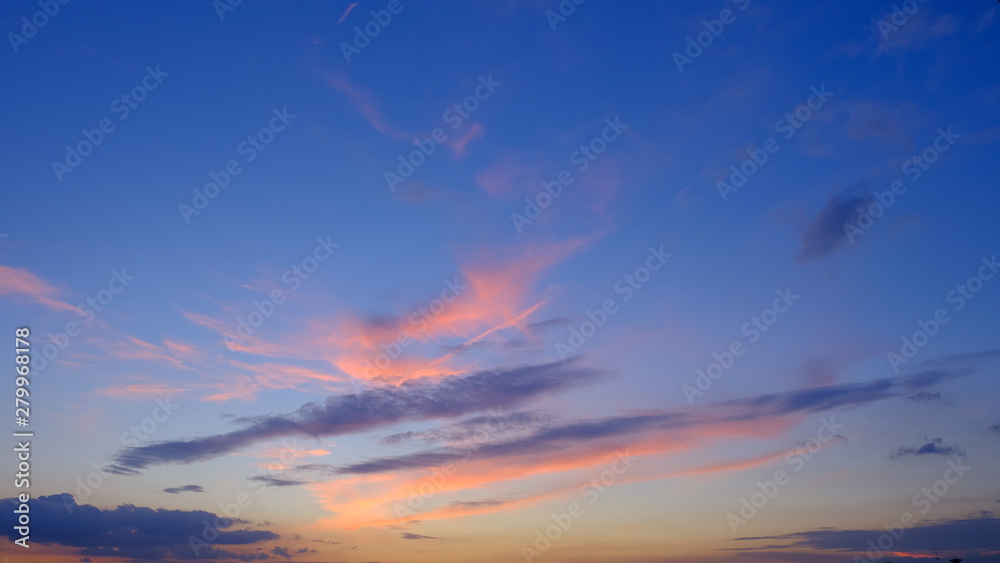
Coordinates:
(934, 446)
(21, 282)
(185, 489)
(370, 409)
(825, 233)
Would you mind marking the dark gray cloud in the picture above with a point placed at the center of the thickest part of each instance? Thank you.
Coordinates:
(184, 489)
(556, 439)
(934, 446)
(372, 408)
(996, 427)
(927, 398)
(475, 428)
(477, 503)
(129, 531)
(825, 232)
(975, 538)
(275, 482)
(542, 326)
(409, 536)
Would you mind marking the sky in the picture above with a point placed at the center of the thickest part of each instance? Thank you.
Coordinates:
(508, 280)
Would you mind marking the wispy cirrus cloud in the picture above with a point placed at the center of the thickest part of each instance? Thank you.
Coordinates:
(497, 296)
(364, 101)
(918, 31)
(22, 283)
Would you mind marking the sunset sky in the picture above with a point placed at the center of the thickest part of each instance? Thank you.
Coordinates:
(507, 280)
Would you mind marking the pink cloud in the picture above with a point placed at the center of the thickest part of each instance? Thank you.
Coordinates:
(18, 281)
(363, 102)
(473, 133)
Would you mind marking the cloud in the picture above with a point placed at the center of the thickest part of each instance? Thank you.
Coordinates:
(996, 427)
(557, 322)
(21, 282)
(919, 30)
(480, 503)
(274, 482)
(473, 428)
(825, 232)
(472, 133)
(139, 390)
(408, 536)
(927, 398)
(622, 430)
(496, 298)
(185, 489)
(347, 11)
(372, 408)
(973, 536)
(128, 531)
(934, 446)
(364, 102)
(508, 177)
(368, 492)
(986, 19)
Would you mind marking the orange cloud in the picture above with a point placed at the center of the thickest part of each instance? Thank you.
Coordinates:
(499, 296)
(140, 389)
(389, 499)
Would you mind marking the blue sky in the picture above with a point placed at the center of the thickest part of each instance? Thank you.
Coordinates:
(376, 369)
